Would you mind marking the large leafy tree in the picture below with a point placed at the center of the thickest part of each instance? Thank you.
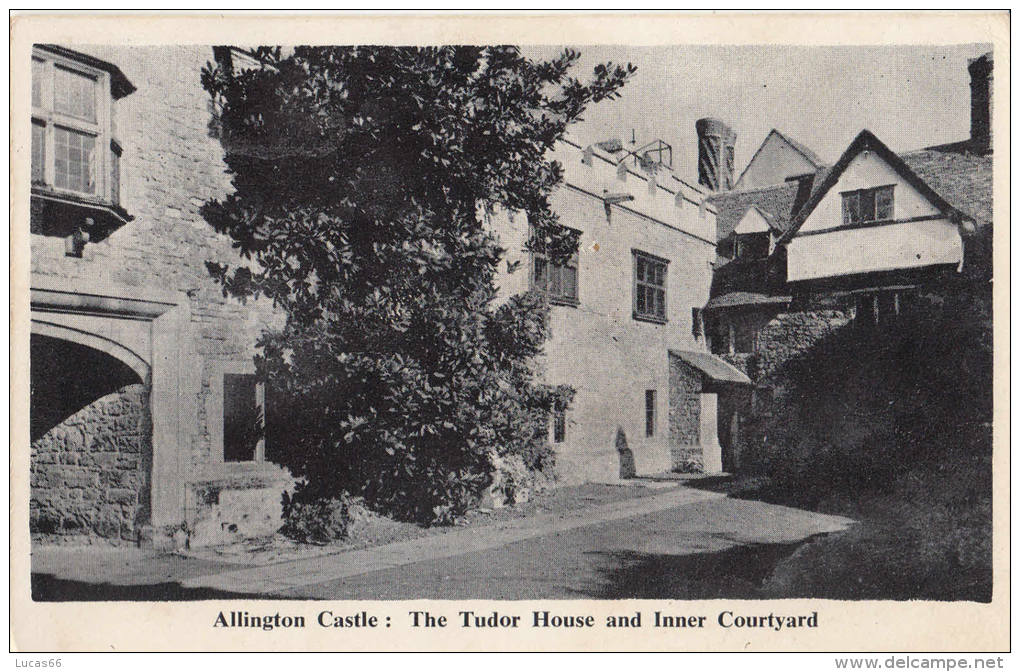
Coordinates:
(363, 177)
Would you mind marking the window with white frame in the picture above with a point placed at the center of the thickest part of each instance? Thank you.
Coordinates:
(73, 150)
(868, 205)
(649, 287)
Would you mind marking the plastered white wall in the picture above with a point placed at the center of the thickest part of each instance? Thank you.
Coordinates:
(598, 347)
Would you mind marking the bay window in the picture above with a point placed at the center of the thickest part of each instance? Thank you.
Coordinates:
(74, 154)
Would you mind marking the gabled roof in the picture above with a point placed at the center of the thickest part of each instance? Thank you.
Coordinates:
(801, 149)
(780, 202)
(767, 218)
(807, 153)
(866, 140)
(961, 176)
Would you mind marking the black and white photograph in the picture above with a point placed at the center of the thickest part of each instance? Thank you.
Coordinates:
(497, 321)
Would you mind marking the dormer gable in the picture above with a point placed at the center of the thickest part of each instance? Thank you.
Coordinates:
(779, 158)
(872, 214)
(869, 169)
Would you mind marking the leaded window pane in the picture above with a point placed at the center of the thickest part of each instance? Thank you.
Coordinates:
(570, 282)
(868, 205)
(884, 203)
(541, 269)
(556, 280)
(38, 73)
(74, 94)
(851, 208)
(38, 152)
(74, 160)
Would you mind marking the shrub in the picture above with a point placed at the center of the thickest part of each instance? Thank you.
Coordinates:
(316, 520)
(364, 178)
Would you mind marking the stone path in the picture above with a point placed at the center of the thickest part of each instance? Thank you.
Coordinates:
(552, 554)
(288, 575)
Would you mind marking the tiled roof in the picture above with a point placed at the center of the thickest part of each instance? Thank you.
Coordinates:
(961, 177)
(733, 299)
(714, 368)
(779, 202)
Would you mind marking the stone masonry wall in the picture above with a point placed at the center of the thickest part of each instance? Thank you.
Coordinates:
(89, 473)
(790, 334)
(782, 339)
(684, 416)
(170, 167)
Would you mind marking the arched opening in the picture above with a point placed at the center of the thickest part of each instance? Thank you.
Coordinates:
(91, 442)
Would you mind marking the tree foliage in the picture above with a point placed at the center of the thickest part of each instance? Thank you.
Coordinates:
(362, 180)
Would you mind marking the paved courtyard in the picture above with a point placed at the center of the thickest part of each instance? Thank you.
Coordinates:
(683, 543)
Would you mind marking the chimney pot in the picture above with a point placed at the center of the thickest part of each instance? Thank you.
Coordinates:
(980, 69)
(716, 143)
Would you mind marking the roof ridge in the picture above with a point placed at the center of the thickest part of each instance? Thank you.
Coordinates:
(806, 151)
(754, 189)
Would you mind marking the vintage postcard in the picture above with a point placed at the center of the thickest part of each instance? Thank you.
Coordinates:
(650, 332)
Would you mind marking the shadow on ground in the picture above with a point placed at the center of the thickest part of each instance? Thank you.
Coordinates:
(734, 573)
(48, 588)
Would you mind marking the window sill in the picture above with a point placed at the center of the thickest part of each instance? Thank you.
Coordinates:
(563, 301)
(219, 472)
(650, 318)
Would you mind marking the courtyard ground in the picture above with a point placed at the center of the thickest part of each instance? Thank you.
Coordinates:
(668, 541)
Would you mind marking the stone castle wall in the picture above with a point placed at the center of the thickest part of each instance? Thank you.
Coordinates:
(170, 167)
(89, 473)
(684, 416)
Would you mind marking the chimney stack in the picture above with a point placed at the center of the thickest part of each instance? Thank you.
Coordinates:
(716, 141)
(981, 103)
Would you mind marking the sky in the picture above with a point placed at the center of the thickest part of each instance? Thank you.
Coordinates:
(909, 96)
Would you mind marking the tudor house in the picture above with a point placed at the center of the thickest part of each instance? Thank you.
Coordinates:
(143, 394)
(806, 248)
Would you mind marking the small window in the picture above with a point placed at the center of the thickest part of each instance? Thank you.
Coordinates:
(649, 412)
(558, 281)
(868, 205)
(38, 153)
(559, 425)
(748, 246)
(649, 287)
(745, 338)
(243, 418)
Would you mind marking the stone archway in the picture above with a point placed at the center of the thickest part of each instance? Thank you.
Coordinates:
(135, 394)
(91, 443)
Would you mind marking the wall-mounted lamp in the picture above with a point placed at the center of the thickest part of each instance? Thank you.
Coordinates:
(74, 245)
